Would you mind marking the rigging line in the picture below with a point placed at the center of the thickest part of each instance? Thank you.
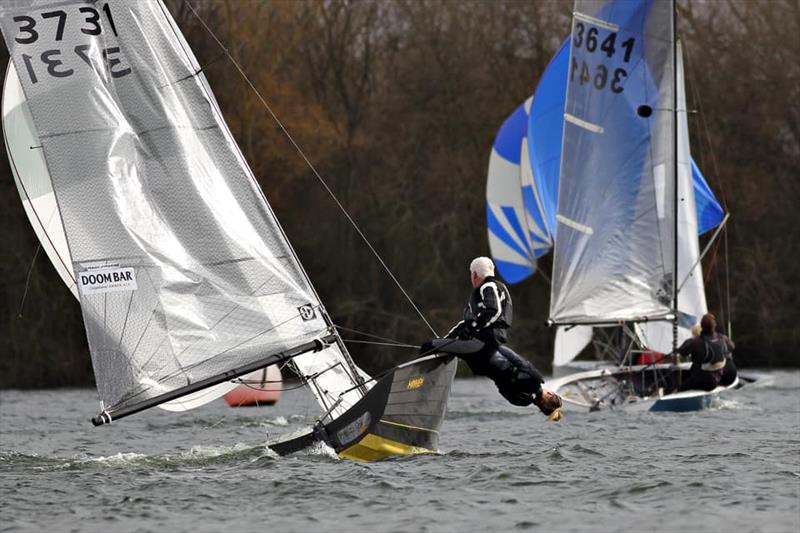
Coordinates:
(711, 267)
(727, 284)
(282, 389)
(706, 132)
(378, 376)
(28, 280)
(707, 136)
(310, 165)
(376, 343)
(705, 251)
(257, 381)
(387, 339)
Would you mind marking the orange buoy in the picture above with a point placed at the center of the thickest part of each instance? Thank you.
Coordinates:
(262, 387)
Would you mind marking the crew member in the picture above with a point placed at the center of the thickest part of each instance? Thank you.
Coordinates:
(480, 340)
(707, 351)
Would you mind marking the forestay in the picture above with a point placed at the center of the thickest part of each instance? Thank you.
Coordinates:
(183, 270)
(614, 239)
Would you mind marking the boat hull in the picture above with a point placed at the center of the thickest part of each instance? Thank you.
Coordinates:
(400, 415)
(635, 389)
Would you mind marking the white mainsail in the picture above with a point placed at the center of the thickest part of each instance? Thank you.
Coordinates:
(183, 271)
(614, 256)
(692, 296)
(38, 199)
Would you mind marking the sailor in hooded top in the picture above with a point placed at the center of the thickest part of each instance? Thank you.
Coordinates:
(480, 340)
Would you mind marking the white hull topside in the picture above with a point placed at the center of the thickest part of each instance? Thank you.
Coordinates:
(681, 401)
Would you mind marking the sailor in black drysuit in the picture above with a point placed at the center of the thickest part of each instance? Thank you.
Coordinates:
(708, 352)
(480, 340)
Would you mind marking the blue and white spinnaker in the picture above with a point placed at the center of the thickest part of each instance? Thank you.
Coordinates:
(522, 193)
(522, 184)
(517, 233)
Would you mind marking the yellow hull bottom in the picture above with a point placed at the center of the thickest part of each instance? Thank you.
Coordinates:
(374, 448)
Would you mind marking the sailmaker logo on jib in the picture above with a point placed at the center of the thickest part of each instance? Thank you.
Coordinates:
(107, 280)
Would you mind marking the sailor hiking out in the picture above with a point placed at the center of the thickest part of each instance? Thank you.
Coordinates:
(480, 338)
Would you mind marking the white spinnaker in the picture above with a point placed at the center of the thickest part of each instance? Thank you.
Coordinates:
(36, 192)
(691, 296)
(570, 341)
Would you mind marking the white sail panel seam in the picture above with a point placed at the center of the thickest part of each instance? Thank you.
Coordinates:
(575, 225)
(594, 128)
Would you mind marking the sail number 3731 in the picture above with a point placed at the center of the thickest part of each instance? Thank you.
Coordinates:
(599, 76)
(55, 62)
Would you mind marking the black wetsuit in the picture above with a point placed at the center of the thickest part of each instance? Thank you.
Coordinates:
(488, 314)
(707, 351)
(480, 340)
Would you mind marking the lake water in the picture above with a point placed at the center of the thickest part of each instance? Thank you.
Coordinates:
(735, 467)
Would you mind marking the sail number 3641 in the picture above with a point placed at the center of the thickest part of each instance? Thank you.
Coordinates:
(600, 77)
(30, 29)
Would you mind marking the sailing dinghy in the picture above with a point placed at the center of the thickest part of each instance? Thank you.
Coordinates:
(616, 274)
(146, 207)
(626, 252)
(522, 201)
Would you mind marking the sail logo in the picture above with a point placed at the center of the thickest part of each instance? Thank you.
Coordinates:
(415, 383)
(107, 280)
(307, 312)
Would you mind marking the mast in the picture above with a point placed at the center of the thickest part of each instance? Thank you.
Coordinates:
(675, 174)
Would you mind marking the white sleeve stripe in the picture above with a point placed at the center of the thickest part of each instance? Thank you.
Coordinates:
(453, 328)
(497, 298)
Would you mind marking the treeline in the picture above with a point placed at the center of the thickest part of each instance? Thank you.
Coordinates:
(396, 103)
